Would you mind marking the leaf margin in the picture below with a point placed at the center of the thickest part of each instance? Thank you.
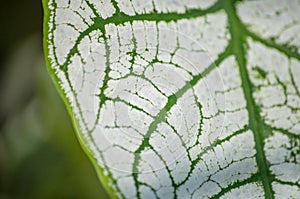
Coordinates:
(104, 180)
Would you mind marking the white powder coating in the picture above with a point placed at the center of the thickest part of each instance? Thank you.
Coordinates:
(163, 102)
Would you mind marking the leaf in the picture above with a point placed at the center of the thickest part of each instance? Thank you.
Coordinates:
(182, 99)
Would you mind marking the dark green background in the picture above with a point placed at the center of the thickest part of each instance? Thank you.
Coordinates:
(40, 157)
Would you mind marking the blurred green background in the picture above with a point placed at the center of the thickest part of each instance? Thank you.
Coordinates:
(40, 156)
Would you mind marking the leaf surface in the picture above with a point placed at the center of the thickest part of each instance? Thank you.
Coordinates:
(182, 99)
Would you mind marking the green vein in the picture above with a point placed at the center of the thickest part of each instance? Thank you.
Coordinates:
(288, 51)
(209, 148)
(102, 97)
(255, 121)
(121, 18)
(254, 178)
(287, 183)
(160, 117)
(283, 131)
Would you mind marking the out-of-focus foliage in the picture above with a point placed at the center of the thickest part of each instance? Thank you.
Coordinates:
(40, 157)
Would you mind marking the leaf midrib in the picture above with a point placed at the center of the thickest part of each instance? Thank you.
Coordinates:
(238, 41)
